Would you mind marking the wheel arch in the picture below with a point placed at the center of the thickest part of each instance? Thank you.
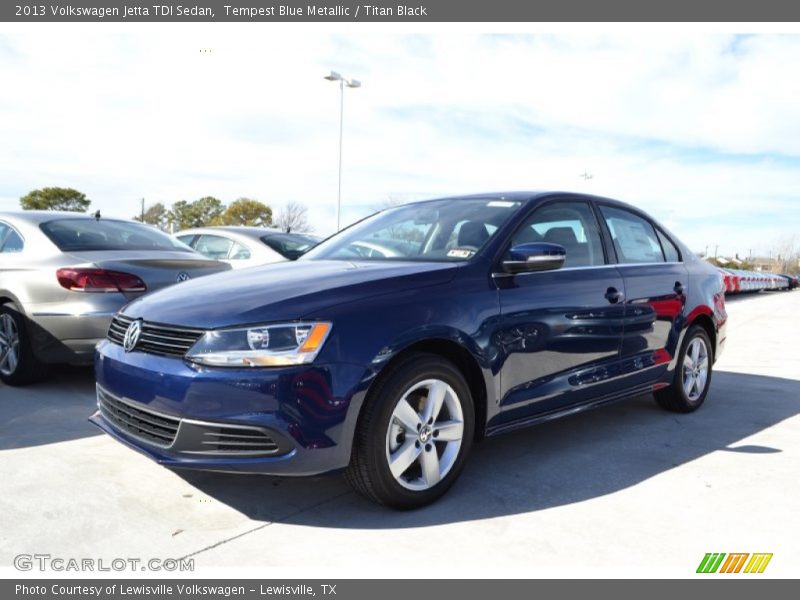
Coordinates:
(6, 298)
(462, 359)
(706, 322)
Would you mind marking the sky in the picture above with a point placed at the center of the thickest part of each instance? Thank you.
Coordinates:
(702, 130)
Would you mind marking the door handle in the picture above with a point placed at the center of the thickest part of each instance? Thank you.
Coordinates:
(613, 295)
(678, 289)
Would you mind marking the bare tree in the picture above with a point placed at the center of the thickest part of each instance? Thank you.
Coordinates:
(787, 252)
(292, 216)
(390, 201)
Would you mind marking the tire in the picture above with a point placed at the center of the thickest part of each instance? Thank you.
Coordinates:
(692, 378)
(432, 463)
(18, 365)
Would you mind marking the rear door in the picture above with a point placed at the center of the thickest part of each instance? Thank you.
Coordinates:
(216, 247)
(13, 267)
(656, 285)
(560, 331)
(224, 248)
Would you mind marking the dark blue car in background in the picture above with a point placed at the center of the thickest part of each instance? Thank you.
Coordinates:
(393, 346)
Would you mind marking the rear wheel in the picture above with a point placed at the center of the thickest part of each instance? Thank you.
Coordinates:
(414, 433)
(692, 375)
(18, 365)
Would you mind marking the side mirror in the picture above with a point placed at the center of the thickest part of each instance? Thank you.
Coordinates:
(535, 256)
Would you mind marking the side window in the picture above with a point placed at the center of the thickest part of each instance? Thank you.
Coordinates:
(4, 229)
(214, 246)
(634, 238)
(186, 239)
(239, 252)
(569, 224)
(670, 249)
(12, 243)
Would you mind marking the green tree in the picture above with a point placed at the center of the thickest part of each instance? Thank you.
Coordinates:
(157, 215)
(246, 211)
(199, 213)
(55, 198)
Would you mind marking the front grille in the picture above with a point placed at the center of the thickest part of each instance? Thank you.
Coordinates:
(152, 427)
(164, 340)
(236, 440)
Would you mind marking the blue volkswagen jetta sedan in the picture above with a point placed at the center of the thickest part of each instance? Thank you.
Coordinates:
(393, 346)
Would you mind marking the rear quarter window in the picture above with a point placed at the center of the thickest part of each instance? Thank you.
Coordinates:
(670, 249)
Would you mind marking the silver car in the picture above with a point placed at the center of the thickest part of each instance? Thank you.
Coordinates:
(64, 275)
(247, 246)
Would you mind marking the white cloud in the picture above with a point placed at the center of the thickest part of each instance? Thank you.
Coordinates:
(697, 128)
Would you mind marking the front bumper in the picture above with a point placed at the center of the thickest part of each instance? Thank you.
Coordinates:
(308, 412)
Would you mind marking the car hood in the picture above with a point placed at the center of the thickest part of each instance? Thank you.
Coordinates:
(282, 291)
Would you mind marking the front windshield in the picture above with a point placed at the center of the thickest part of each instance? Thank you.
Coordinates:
(441, 230)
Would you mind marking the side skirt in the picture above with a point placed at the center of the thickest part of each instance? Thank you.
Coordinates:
(572, 410)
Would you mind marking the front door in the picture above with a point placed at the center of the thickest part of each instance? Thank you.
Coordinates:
(560, 331)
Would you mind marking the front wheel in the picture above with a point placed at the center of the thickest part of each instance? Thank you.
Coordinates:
(692, 377)
(414, 434)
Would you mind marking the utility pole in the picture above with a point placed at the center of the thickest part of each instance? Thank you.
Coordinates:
(142, 210)
(716, 248)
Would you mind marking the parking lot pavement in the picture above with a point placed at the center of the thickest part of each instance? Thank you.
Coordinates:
(625, 490)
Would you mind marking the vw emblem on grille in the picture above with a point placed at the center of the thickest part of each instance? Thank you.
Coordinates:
(132, 334)
(183, 276)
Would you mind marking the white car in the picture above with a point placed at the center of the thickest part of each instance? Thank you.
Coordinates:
(243, 247)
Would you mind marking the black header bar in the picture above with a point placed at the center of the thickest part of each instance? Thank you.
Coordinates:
(421, 11)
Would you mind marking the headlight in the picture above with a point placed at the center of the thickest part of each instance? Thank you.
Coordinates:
(261, 345)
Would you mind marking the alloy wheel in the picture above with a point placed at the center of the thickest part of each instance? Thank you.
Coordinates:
(425, 435)
(695, 369)
(9, 345)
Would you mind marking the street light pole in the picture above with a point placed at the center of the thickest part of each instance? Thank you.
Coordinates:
(351, 83)
(341, 141)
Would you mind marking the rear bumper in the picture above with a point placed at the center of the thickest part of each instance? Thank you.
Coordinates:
(61, 337)
(721, 322)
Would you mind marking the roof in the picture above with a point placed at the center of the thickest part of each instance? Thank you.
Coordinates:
(40, 216)
(527, 196)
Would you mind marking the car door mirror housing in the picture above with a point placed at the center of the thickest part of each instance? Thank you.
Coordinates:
(534, 256)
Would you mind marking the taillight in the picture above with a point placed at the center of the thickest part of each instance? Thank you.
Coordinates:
(99, 280)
